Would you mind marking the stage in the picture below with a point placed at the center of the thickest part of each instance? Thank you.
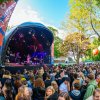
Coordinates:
(28, 44)
(13, 67)
(22, 65)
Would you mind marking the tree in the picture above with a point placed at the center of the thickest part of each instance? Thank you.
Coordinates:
(77, 43)
(1, 1)
(95, 44)
(85, 12)
(53, 30)
(57, 42)
(84, 19)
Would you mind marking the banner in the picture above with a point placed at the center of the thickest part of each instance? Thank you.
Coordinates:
(6, 9)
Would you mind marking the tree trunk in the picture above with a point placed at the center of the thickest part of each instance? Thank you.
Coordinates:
(95, 30)
(91, 22)
(78, 57)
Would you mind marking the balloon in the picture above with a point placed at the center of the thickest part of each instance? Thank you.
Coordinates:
(95, 51)
(99, 48)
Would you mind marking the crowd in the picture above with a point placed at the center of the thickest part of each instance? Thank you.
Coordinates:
(52, 83)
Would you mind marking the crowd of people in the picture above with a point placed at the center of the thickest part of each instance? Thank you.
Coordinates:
(52, 83)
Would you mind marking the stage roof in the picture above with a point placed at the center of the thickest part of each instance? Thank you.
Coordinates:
(42, 33)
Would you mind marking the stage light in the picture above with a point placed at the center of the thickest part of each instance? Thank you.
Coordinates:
(29, 32)
(33, 34)
(48, 44)
(21, 35)
(12, 38)
(23, 40)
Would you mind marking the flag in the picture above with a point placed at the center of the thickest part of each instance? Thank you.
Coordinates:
(6, 9)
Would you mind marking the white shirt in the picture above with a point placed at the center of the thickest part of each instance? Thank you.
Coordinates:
(90, 98)
(63, 87)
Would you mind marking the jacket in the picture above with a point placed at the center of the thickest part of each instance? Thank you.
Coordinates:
(90, 89)
(75, 95)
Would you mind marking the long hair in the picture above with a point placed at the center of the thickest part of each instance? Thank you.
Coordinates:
(64, 95)
(9, 94)
(39, 83)
(21, 95)
(8, 90)
(51, 88)
(55, 85)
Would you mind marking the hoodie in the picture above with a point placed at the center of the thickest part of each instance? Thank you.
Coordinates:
(90, 89)
(75, 95)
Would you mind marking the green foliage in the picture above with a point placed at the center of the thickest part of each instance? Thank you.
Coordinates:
(57, 45)
(1, 1)
(76, 43)
(84, 16)
(96, 57)
(96, 42)
(98, 3)
(57, 42)
(89, 52)
(53, 30)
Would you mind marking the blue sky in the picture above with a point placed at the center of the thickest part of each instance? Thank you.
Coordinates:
(50, 12)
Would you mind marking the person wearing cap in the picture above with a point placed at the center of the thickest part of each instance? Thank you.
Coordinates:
(65, 86)
(92, 85)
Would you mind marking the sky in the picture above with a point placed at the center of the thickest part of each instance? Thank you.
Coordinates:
(47, 12)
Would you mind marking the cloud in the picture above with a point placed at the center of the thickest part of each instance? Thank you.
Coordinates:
(24, 13)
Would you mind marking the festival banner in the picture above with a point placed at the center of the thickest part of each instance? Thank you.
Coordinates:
(6, 9)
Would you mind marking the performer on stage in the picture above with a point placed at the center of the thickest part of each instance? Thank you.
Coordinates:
(18, 58)
(41, 61)
(28, 59)
(11, 57)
